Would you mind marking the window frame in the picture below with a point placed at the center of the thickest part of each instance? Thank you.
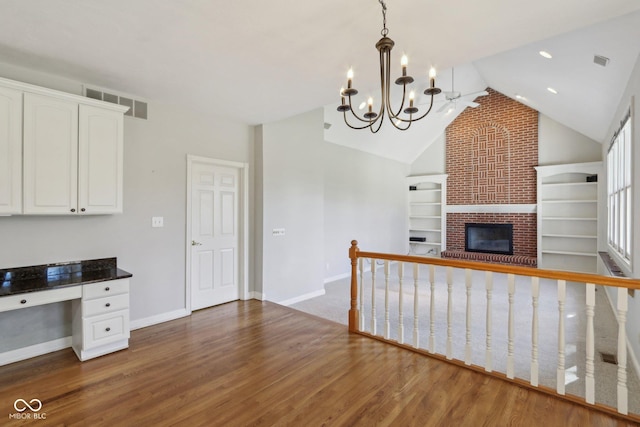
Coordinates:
(619, 192)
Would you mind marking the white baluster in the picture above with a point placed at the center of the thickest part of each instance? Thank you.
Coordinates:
(416, 332)
(488, 359)
(387, 324)
(467, 347)
(622, 351)
(535, 294)
(361, 268)
(432, 310)
(373, 296)
(590, 391)
(562, 295)
(449, 312)
(400, 314)
(510, 359)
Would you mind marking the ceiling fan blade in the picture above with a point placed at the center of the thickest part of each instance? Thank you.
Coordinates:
(476, 94)
(445, 106)
(469, 103)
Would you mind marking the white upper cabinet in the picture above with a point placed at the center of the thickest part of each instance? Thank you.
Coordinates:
(50, 155)
(100, 161)
(10, 151)
(60, 154)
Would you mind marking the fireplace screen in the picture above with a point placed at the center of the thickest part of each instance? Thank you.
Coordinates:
(489, 238)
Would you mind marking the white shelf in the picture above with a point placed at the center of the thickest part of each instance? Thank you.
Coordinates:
(570, 236)
(426, 207)
(569, 184)
(568, 217)
(585, 254)
(565, 201)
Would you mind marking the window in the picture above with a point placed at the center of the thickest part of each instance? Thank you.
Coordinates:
(619, 191)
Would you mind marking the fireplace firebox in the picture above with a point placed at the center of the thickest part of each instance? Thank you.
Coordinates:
(489, 238)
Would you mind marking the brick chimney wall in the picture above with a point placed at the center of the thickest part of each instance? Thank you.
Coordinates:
(491, 152)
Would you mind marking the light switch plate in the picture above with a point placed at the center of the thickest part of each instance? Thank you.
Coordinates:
(157, 221)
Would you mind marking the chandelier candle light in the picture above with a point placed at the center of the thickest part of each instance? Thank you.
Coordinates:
(372, 119)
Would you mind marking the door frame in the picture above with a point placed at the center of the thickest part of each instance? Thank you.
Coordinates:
(243, 225)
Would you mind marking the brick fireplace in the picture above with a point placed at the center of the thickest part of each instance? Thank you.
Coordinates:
(491, 152)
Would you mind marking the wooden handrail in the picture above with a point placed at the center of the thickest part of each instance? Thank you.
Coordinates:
(620, 282)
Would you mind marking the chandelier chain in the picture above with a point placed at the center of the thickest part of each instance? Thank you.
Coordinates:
(384, 31)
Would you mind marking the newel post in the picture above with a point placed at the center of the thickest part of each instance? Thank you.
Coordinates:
(354, 315)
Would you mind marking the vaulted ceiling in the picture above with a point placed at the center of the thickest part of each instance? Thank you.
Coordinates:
(259, 62)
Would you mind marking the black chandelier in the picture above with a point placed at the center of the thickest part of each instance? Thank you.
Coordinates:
(371, 118)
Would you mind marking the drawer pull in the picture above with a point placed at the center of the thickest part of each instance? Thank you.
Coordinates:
(82, 210)
(108, 329)
(108, 304)
(107, 289)
(73, 210)
(24, 301)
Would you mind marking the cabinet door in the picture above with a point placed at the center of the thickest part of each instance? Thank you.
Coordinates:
(100, 161)
(10, 151)
(50, 155)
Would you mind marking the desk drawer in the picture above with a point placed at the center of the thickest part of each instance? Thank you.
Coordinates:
(105, 329)
(32, 299)
(105, 305)
(103, 289)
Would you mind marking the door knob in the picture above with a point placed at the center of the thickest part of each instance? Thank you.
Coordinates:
(194, 243)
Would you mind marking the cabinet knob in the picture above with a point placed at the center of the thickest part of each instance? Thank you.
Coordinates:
(24, 301)
(73, 210)
(108, 329)
(108, 304)
(107, 289)
(82, 210)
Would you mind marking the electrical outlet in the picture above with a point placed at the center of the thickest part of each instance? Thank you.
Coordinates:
(278, 232)
(157, 221)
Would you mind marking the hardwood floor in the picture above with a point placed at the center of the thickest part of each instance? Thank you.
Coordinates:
(250, 363)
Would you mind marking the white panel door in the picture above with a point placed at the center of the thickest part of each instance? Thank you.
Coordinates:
(100, 160)
(10, 151)
(50, 155)
(214, 235)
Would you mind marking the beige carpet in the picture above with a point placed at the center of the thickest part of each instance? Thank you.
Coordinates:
(334, 305)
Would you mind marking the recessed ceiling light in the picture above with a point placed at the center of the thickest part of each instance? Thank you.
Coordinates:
(520, 97)
(362, 105)
(545, 54)
(552, 90)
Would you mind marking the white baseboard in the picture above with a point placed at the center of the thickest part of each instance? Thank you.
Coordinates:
(34, 350)
(338, 277)
(257, 295)
(310, 295)
(159, 318)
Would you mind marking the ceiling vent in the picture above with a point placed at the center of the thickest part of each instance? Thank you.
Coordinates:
(600, 60)
(137, 107)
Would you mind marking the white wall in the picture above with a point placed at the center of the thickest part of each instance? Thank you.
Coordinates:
(292, 184)
(632, 92)
(558, 144)
(432, 161)
(365, 198)
(154, 185)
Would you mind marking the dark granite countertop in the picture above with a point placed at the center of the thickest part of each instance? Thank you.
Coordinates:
(53, 276)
